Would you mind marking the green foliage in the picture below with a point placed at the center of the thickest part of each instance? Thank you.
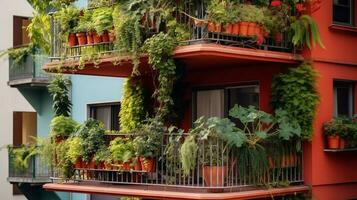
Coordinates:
(39, 32)
(159, 49)
(59, 90)
(102, 19)
(19, 55)
(188, 154)
(85, 22)
(306, 32)
(132, 111)
(64, 164)
(68, 19)
(75, 148)
(22, 156)
(122, 149)
(92, 135)
(295, 93)
(62, 126)
(250, 13)
(147, 143)
(102, 155)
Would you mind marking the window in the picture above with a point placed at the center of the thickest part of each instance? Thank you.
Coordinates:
(107, 113)
(218, 102)
(20, 35)
(343, 93)
(343, 12)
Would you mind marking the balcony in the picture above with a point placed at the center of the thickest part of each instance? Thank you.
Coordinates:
(32, 169)
(211, 46)
(218, 174)
(28, 71)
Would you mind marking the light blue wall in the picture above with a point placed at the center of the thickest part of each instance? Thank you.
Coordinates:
(92, 89)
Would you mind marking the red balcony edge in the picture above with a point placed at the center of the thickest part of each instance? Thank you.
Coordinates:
(209, 54)
(162, 194)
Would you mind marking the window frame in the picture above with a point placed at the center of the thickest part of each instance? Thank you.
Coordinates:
(351, 86)
(225, 89)
(352, 15)
(104, 104)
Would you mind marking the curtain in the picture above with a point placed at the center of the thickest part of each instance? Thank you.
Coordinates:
(210, 103)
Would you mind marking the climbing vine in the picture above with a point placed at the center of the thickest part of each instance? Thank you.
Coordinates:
(295, 92)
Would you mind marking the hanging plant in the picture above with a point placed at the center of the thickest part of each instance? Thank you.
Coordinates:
(305, 32)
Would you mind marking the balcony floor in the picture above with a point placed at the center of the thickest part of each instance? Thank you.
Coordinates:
(157, 192)
(196, 57)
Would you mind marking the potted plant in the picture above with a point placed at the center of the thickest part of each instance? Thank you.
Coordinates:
(102, 158)
(333, 129)
(75, 151)
(103, 22)
(68, 18)
(85, 28)
(62, 127)
(217, 15)
(122, 152)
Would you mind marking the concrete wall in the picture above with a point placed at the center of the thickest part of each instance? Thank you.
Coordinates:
(10, 99)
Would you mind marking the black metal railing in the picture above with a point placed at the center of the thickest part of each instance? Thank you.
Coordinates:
(32, 169)
(29, 67)
(217, 168)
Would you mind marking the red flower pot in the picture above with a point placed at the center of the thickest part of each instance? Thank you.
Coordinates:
(90, 38)
(96, 38)
(243, 28)
(78, 163)
(105, 36)
(126, 166)
(213, 176)
(147, 164)
(82, 38)
(333, 142)
(72, 40)
(229, 29)
(137, 164)
(251, 29)
(235, 29)
(211, 27)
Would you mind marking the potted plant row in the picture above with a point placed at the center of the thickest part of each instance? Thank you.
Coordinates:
(340, 133)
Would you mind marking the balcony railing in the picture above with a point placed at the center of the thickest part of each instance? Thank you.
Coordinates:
(199, 33)
(217, 169)
(32, 170)
(29, 70)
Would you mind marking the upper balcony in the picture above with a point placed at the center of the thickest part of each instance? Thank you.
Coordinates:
(234, 43)
(28, 70)
(27, 167)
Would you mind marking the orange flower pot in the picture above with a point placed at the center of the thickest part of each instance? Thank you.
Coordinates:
(105, 36)
(96, 38)
(243, 28)
(72, 40)
(229, 29)
(333, 142)
(126, 166)
(137, 165)
(251, 29)
(82, 38)
(90, 38)
(78, 163)
(147, 164)
(257, 30)
(211, 27)
(213, 176)
(235, 29)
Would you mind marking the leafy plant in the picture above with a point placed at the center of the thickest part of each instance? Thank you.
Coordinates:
(75, 148)
(67, 18)
(122, 149)
(64, 164)
(22, 155)
(295, 93)
(305, 32)
(92, 135)
(102, 155)
(103, 19)
(59, 90)
(39, 32)
(85, 23)
(132, 111)
(62, 126)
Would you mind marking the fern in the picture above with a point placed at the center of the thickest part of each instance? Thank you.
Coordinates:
(189, 154)
(306, 32)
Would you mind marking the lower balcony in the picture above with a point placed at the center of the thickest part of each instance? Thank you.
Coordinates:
(28, 71)
(26, 167)
(218, 174)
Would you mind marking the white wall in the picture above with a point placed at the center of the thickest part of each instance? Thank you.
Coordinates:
(10, 99)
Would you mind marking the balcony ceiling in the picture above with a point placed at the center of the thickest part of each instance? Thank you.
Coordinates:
(196, 57)
(157, 193)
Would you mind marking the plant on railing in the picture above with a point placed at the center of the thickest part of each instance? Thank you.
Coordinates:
(75, 149)
(103, 157)
(21, 156)
(62, 127)
(103, 22)
(59, 90)
(340, 133)
(295, 93)
(63, 162)
(122, 152)
(39, 32)
(133, 108)
(68, 18)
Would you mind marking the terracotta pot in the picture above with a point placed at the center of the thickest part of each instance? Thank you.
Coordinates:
(91, 164)
(105, 36)
(218, 28)
(147, 164)
(257, 30)
(78, 163)
(72, 40)
(251, 29)
(235, 29)
(96, 38)
(82, 38)
(333, 142)
(137, 164)
(126, 166)
(213, 176)
(278, 37)
(229, 29)
(107, 166)
(211, 27)
(343, 143)
(243, 28)
(90, 38)
(84, 164)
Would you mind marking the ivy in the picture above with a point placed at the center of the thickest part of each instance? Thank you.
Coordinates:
(295, 93)
(132, 111)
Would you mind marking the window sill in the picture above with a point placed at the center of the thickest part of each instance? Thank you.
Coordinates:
(346, 28)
